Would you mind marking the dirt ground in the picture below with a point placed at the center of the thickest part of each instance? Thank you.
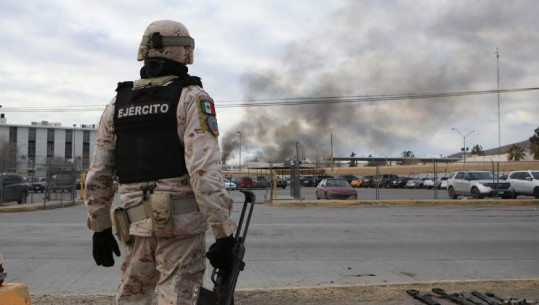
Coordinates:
(348, 295)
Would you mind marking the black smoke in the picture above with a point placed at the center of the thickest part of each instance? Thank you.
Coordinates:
(382, 47)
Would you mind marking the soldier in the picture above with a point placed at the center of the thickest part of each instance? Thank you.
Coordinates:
(159, 137)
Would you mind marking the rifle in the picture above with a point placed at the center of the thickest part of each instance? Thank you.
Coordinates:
(425, 298)
(224, 281)
(483, 298)
(454, 297)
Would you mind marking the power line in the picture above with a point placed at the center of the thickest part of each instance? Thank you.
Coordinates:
(291, 101)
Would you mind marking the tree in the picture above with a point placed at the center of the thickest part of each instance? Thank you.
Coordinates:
(477, 150)
(353, 163)
(516, 153)
(8, 156)
(407, 154)
(534, 144)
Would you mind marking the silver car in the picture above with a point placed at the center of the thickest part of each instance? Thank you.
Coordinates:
(478, 184)
(525, 183)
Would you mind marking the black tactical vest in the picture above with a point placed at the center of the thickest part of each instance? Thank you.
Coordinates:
(147, 143)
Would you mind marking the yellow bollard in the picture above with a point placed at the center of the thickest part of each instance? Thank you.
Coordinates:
(14, 294)
(82, 181)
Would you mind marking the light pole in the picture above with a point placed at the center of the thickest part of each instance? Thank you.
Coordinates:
(74, 165)
(239, 132)
(73, 140)
(464, 138)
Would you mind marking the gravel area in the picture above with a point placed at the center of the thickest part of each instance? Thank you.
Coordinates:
(349, 295)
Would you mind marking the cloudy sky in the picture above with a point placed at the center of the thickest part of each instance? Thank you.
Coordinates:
(61, 61)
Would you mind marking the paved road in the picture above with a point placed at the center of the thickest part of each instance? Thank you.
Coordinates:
(50, 250)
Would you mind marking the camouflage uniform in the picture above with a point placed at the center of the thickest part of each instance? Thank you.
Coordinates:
(173, 265)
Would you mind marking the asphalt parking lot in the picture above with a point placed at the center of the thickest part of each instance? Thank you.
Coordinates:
(308, 251)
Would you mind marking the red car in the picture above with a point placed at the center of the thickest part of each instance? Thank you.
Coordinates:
(245, 182)
(335, 188)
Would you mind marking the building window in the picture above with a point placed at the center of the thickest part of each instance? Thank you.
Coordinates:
(69, 151)
(50, 135)
(50, 143)
(86, 155)
(31, 135)
(12, 134)
(69, 144)
(69, 136)
(86, 149)
(50, 150)
(32, 150)
(31, 142)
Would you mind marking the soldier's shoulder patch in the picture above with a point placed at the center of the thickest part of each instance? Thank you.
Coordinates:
(206, 115)
(212, 125)
(207, 106)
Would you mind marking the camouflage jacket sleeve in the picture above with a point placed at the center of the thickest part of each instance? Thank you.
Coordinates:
(98, 187)
(198, 125)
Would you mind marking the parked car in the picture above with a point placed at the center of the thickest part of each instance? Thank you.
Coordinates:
(37, 184)
(14, 188)
(367, 181)
(384, 180)
(524, 182)
(414, 183)
(282, 183)
(307, 181)
(245, 182)
(399, 182)
(319, 178)
(477, 184)
(356, 182)
(60, 183)
(229, 185)
(335, 188)
(348, 178)
(428, 183)
(260, 182)
(441, 183)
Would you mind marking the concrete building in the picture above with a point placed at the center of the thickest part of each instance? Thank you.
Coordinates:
(32, 149)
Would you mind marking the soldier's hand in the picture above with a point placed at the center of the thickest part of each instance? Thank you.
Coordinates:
(104, 244)
(221, 253)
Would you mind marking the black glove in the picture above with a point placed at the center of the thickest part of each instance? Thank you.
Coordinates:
(104, 244)
(221, 253)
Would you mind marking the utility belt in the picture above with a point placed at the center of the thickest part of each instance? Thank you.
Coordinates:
(159, 207)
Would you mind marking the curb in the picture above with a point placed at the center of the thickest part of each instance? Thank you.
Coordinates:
(29, 207)
(406, 202)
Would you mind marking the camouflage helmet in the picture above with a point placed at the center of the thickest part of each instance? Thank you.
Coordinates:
(167, 39)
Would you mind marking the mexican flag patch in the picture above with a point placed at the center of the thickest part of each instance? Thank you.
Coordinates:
(207, 107)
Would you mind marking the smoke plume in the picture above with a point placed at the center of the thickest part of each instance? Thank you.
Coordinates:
(374, 48)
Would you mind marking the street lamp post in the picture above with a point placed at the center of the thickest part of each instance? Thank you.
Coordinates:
(464, 139)
(73, 140)
(74, 165)
(239, 132)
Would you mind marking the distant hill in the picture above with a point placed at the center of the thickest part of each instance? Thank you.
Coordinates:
(494, 151)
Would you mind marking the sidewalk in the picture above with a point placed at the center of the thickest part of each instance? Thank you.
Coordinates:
(33, 206)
